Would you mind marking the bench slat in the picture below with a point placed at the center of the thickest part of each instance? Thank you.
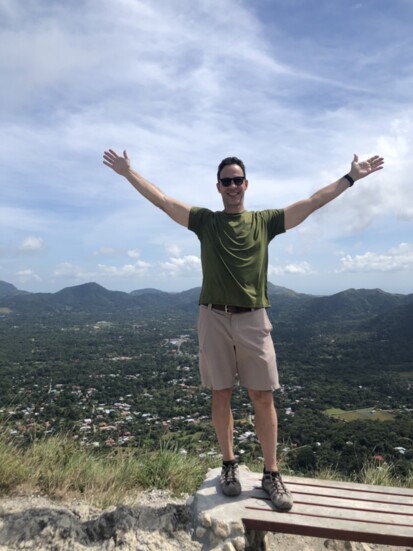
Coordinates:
(347, 503)
(348, 515)
(352, 486)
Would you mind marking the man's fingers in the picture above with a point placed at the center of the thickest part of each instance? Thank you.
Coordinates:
(125, 154)
(376, 162)
(108, 157)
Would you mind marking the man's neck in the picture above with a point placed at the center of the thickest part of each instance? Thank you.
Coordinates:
(236, 210)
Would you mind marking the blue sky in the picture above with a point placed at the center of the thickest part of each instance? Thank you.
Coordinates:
(293, 87)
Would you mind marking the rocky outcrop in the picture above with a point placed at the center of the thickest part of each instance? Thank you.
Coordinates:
(155, 521)
(35, 522)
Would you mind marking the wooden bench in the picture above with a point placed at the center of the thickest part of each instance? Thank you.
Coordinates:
(337, 510)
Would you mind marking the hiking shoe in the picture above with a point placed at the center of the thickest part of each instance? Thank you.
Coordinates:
(281, 498)
(230, 484)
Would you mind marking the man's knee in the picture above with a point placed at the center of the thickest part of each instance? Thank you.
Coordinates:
(261, 398)
(222, 397)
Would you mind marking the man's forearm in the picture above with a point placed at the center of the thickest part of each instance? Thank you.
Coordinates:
(298, 212)
(146, 188)
(178, 211)
(328, 193)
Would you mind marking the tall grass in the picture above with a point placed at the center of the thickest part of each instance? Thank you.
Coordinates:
(60, 467)
(382, 475)
(13, 470)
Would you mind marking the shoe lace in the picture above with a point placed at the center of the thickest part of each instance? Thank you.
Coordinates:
(230, 473)
(278, 484)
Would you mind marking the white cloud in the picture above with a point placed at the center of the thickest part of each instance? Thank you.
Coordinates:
(173, 250)
(185, 266)
(31, 244)
(128, 270)
(105, 251)
(302, 268)
(134, 253)
(68, 270)
(396, 259)
(26, 275)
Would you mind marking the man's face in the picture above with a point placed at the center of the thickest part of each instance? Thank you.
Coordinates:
(232, 195)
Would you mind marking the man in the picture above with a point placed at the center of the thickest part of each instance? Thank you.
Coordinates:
(233, 326)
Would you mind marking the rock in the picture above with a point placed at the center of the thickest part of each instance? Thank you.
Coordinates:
(221, 529)
(200, 532)
(40, 524)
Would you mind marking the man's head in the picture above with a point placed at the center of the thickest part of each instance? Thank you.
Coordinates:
(232, 184)
(230, 161)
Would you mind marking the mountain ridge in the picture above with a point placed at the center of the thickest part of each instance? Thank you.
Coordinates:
(288, 306)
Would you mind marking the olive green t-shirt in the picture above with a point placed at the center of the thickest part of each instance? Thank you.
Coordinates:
(234, 254)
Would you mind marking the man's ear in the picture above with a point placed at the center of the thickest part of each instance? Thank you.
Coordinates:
(217, 184)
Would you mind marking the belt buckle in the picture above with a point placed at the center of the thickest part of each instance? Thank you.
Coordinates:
(226, 308)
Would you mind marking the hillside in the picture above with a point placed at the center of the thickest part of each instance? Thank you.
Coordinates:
(349, 305)
(9, 290)
(121, 369)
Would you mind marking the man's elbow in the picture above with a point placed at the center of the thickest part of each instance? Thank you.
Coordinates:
(162, 203)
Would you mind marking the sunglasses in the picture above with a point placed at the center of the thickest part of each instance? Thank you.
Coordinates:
(238, 180)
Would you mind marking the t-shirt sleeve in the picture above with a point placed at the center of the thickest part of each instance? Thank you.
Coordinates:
(197, 218)
(274, 219)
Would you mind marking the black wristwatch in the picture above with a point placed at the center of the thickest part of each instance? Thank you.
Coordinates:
(349, 178)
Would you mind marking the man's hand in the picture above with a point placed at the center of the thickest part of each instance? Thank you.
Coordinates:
(121, 165)
(361, 169)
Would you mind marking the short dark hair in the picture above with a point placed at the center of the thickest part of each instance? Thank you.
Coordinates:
(230, 161)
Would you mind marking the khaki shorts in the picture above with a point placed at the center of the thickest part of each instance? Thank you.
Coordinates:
(236, 347)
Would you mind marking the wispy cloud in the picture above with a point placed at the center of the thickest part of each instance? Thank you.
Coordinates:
(139, 268)
(186, 266)
(302, 268)
(182, 86)
(27, 275)
(394, 260)
(31, 244)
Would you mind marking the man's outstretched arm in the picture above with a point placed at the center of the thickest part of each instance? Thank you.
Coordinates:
(298, 212)
(179, 212)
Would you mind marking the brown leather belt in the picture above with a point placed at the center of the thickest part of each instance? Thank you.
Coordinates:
(230, 309)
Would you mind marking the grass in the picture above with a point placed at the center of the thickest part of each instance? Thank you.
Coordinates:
(60, 467)
(383, 475)
(372, 414)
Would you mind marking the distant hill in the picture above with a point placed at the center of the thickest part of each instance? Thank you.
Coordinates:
(292, 312)
(9, 290)
(277, 290)
(352, 304)
(92, 297)
(147, 291)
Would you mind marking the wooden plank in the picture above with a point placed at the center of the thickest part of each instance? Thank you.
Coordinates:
(337, 503)
(340, 510)
(405, 498)
(348, 514)
(352, 486)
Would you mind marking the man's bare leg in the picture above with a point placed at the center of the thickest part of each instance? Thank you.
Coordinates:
(223, 421)
(266, 426)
